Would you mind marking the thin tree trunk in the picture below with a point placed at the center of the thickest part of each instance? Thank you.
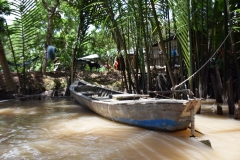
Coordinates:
(161, 43)
(51, 11)
(119, 38)
(74, 50)
(216, 89)
(226, 45)
(230, 96)
(14, 57)
(10, 85)
(218, 78)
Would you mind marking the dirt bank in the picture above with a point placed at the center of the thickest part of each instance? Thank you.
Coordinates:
(55, 83)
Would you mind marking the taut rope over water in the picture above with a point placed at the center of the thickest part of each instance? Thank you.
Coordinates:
(204, 63)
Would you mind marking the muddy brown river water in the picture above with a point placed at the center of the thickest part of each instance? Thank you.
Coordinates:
(61, 129)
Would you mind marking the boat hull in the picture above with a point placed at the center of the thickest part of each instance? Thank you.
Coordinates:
(158, 114)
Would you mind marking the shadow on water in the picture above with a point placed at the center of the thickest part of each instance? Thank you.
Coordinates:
(62, 129)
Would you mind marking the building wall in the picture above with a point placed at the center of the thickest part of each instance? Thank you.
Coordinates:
(157, 57)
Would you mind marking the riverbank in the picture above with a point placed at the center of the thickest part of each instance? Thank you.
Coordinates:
(55, 83)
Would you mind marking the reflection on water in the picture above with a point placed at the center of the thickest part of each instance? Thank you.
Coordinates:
(61, 129)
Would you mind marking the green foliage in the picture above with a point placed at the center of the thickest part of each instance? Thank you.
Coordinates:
(4, 7)
(117, 25)
(4, 10)
(236, 20)
(50, 66)
(24, 31)
(179, 9)
(100, 42)
(2, 29)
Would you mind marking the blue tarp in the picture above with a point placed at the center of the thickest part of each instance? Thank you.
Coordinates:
(51, 50)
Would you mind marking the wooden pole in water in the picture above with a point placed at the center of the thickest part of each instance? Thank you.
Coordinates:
(192, 122)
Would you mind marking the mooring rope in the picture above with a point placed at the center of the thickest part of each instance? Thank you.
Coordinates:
(204, 63)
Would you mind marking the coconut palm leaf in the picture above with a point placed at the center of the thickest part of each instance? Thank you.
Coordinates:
(236, 20)
(24, 30)
(179, 9)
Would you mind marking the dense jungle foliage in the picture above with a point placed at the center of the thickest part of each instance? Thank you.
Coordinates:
(207, 33)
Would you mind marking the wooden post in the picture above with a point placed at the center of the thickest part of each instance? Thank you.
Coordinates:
(198, 96)
(219, 110)
(192, 122)
(217, 90)
(230, 96)
(237, 111)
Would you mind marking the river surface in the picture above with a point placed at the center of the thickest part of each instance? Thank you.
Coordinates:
(61, 129)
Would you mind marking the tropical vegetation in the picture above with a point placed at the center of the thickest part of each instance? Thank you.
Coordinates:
(207, 34)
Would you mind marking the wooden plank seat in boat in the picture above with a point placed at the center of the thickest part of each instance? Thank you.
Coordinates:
(127, 96)
(89, 93)
(85, 88)
(105, 99)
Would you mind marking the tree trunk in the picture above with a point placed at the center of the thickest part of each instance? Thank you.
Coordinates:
(162, 45)
(119, 39)
(218, 78)
(217, 90)
(205, 81)
(237, 111)
(230, 96)
(198, 96)
(51, 11)
(10, 85)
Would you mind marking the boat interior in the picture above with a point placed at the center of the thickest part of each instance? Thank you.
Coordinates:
(104, 94)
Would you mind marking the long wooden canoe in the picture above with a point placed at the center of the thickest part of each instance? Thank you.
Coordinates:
(135, 109)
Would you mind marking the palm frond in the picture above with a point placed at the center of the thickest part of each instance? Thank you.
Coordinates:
(25, 26)
(179, 9)
(23, 32)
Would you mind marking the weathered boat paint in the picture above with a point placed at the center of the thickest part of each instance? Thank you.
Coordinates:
(158, 124)
(157, 114)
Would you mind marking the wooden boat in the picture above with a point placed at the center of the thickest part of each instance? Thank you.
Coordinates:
(135, 109)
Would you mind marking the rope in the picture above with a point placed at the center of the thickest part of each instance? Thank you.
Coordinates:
(204, 63)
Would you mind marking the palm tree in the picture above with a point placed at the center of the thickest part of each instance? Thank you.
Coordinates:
(10, 85)
(51, 9)
(23, 33)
